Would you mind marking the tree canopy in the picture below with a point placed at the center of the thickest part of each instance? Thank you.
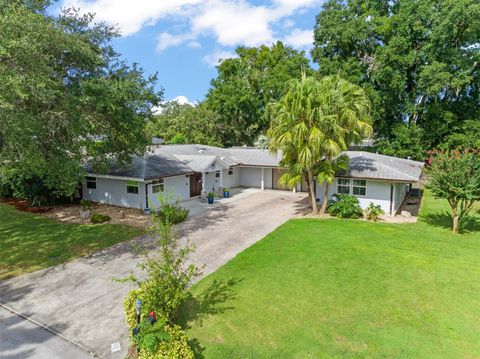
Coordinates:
(455, 176)
(185, 123)
(244, 86)
(65, 95)
(418, 60)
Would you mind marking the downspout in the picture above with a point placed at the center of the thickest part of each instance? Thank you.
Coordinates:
(146, 195)
(391, 198)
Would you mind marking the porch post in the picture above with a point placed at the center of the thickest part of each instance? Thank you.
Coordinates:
(203, 181)
(262, 185)
(221, 179)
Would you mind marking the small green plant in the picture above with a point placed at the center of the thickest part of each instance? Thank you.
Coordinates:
(174, 347)
(85, 204)
(168, 277)
(211, 195)
(373, 212)
(150, 335)
(344, 206)
(226, 189)
(99, 218)
(170, 211)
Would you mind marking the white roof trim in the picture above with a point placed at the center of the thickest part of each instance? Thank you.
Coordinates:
(115, 177)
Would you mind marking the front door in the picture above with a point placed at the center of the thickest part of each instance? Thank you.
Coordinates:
(195, 184)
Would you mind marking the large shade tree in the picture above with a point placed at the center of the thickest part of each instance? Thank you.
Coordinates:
(65, 95)
(312, 124)
(418, 60)
(244, 86)
(192, 123)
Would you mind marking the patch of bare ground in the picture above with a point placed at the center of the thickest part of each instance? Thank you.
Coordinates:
(119, 215)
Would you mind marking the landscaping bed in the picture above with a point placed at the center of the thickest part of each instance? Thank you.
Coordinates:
(118, 215)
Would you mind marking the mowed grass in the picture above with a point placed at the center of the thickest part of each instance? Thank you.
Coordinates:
(29, 242)
(345, 288)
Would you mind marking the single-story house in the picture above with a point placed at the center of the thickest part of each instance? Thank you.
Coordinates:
(187, 171)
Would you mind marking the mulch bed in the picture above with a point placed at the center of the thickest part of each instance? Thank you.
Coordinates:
(22, 205)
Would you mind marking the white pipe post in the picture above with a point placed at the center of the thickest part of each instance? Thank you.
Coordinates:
(262, 186)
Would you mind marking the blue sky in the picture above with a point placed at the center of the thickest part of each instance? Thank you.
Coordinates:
(182, 40)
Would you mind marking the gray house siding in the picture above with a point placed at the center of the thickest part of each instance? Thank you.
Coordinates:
(114, 191)
(233, 180)
(176, 186)
(252, 177)
(378, 192)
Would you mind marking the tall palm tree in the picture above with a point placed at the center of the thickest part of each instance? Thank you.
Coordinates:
(315, 121)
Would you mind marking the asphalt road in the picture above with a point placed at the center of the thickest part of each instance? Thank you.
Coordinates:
(22, 339)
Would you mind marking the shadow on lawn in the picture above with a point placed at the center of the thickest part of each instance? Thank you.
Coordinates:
(210, 301)
(443, 219)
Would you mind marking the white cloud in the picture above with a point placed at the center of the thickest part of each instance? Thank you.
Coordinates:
(166, 40)
(300, 39)
(182, 100)
(194, 45)
(218, 56)
(230, 22)
(234, 22)
(131, 16)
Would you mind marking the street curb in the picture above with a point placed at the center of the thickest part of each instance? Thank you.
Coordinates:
(93, 355)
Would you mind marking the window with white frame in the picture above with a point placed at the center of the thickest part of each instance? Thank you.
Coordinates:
(359, 187)
(132, 187)
(91, 182)
(230, 171)
(217, 174)
(158, 186)
(343, 185)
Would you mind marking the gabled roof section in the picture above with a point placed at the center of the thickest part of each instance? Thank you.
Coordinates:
(200, 163)
(194, 150)
(376, 166)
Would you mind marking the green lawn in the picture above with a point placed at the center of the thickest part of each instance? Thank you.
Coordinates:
(345, 288)
(29, 242)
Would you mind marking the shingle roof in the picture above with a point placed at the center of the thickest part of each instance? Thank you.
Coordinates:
(254, 157)
(171, 160)
(153, 164)
(195, 150)
(376, 166)
(197, 163)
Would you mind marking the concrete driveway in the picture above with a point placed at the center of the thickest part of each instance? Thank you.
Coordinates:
(80, 301)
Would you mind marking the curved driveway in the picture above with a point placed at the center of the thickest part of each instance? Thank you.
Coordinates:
(79, 299)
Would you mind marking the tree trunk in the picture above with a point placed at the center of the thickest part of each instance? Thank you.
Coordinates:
(313, 199)
(323, 209)
(455, 220)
